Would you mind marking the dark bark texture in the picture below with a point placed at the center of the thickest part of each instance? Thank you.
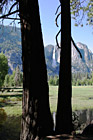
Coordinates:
(64, 110)
(36, 117)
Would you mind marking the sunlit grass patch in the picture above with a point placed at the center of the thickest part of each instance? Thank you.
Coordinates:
(53, 97)
(82, 97)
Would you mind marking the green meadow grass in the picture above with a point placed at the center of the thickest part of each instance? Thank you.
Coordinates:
(53, 94)
(82, 97)
(11, 106)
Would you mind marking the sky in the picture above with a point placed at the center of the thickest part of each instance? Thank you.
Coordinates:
(47, 14)
(49, 29)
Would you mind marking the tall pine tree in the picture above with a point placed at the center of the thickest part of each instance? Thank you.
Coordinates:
(36, 116)
(64, 110)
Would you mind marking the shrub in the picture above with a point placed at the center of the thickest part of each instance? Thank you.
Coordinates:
(3, 116)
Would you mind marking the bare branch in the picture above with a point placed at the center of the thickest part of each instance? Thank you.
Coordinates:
(12, 6)
(76, 47)
(12, 18)
(56, 38)
(57, 18)
(57, 9)
(4, 16)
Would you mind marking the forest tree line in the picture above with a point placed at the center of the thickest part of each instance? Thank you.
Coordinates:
(15, 79)
(78, 79)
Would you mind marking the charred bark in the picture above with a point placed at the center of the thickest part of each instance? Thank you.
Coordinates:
(36, 116)
(64, 109)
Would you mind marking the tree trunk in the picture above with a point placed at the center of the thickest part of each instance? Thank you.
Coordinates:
(64, 109)
(36, 116)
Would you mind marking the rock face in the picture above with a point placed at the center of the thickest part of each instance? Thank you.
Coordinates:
(14, 59)
(78, 65)
(51, 55)
(86, 63)
(10, 45)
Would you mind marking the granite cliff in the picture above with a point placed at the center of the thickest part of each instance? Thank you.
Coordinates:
(78, 65)
(10, 45)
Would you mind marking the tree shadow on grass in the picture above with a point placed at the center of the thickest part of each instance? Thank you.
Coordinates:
(6, 96)
(7, 104)
(9, 100)
(10, 128)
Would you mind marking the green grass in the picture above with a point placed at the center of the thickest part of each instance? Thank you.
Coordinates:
(11, 103)
(53, 97)
(82, 97)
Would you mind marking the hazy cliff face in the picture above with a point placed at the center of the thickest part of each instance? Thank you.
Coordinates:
(78, 65)
(86, 63)
(10, 45)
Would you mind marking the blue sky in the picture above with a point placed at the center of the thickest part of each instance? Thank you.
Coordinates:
(47, 13)
(49, 29)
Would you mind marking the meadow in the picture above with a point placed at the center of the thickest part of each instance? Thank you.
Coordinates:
(82, 97)
(11, 104)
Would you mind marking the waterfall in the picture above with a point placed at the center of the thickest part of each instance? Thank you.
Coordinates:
(54, 58)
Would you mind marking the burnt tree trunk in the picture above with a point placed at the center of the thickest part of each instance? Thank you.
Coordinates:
(36, 116)
(64, 109)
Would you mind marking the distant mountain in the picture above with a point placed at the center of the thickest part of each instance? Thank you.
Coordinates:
(86, 63)
(78, 65)
(52, 61)
(10, 45)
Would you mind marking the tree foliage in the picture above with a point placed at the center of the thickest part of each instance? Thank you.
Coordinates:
(82, 79)
(3, 68)
(53, 80)
(80, 10)
(7, 80)
(16, 79)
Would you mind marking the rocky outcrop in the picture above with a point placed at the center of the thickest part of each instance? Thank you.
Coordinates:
(86, 63)
(78, 65)
(14, 60)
